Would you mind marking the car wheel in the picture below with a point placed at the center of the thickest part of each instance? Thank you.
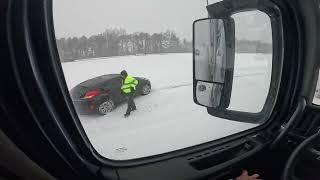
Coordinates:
(146, 89)
(105, 107)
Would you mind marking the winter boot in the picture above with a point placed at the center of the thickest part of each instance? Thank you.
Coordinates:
(126, 115)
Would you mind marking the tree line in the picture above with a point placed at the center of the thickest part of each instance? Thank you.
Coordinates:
(117, 42)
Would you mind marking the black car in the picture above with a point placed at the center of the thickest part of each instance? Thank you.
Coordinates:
(101, 94)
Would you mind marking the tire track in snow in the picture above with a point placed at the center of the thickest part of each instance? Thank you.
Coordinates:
(172, 87)
(190, 84)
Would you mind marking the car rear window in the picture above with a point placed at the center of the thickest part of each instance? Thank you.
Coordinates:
(79, 91)
(98, 80)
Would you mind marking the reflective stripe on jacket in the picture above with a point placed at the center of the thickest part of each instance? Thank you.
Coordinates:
(128, 84)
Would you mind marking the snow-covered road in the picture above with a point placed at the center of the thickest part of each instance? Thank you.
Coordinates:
(167, 119)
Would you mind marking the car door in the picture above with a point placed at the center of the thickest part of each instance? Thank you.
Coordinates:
(115, 85)
(260, 115)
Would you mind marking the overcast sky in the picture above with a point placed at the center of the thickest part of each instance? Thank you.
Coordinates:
(89, 17)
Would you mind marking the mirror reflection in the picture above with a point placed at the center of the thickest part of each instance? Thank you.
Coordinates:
(208, 94)
(209, 44)
(211, 62)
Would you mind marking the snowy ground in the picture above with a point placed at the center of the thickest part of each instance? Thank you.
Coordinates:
(167, 119)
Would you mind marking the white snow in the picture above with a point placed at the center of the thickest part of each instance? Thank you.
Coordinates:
(167, 119)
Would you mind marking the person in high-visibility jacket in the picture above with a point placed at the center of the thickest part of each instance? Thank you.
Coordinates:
(128, 88)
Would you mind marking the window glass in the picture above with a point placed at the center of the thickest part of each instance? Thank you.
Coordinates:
(253, 61)
(316, 98)
(152, 41)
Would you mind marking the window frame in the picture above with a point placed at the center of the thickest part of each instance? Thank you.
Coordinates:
(188, 150)
(64, 126)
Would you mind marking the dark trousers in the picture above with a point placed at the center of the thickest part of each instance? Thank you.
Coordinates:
(131, 104)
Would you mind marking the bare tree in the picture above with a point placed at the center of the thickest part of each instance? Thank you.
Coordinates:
(115, 42)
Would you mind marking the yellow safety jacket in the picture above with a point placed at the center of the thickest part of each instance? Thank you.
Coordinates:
(128, 84)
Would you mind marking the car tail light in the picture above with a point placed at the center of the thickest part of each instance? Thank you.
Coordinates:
(91, 94)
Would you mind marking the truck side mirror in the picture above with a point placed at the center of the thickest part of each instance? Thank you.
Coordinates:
(238, 87)
(213, 59)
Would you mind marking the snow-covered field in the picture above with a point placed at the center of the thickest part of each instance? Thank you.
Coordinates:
(167, 119)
